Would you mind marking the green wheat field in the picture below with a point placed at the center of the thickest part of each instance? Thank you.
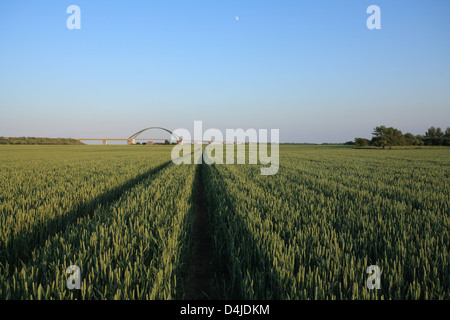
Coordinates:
(124, 215)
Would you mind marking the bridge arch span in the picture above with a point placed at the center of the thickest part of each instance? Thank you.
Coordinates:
(134, 136)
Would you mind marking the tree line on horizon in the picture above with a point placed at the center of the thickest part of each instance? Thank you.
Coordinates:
(39, 141)
(382, 137)
(388, 136)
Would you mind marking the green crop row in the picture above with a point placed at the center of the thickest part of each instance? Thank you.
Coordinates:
(132, 248)
(311, 231)
(44, 189)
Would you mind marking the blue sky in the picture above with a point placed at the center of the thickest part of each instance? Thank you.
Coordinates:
(309, 68)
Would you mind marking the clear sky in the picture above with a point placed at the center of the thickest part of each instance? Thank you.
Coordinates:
(310, 68)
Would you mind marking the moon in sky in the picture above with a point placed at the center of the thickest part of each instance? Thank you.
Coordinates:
(237, 18)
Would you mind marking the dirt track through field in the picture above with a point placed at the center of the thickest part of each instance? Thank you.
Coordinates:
(200, 272)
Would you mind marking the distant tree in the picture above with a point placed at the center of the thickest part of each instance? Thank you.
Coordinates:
(166, 142)
(361, 142)
(431, 132)
(430, 136)
(412, 140)
(447, 132)
(379, 131)
(349, 143)
(383, 136)
(138, 143)
(447, 137)
(435, 137)
(386, 137)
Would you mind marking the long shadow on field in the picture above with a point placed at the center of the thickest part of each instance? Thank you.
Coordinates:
(244, 268)
(20, 247)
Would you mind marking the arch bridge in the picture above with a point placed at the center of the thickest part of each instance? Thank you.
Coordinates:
(132, 139)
